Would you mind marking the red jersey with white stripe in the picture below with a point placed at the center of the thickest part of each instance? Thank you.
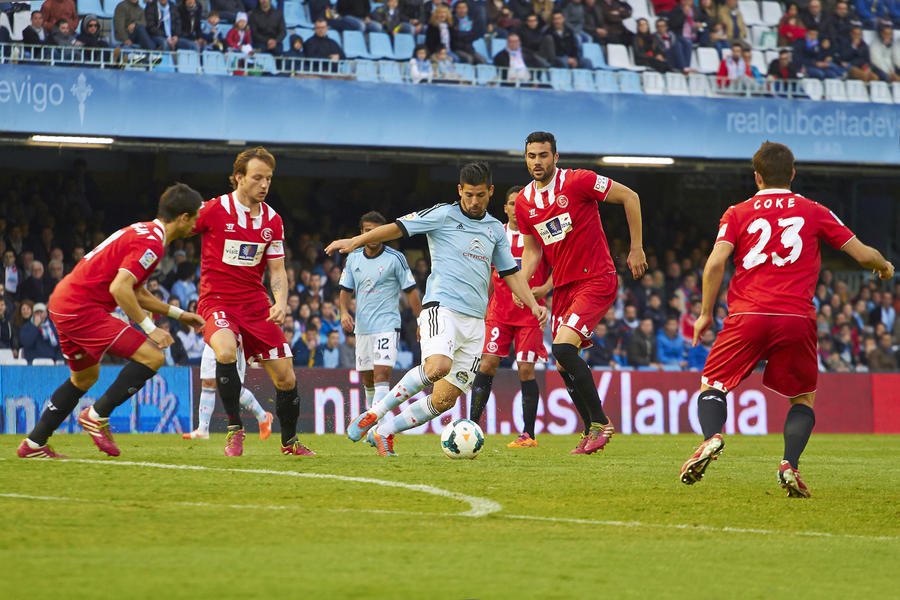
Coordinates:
(235, 248)
(564, 216)
(776, 235)
(501, 307)
(136, 249)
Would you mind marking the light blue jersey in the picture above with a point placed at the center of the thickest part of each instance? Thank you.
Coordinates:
(462, 250)
(377, 282)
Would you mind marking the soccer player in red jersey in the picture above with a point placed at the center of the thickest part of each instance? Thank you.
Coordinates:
(110, 275)
(775, 240)
(242, 235)
(508, 321)
(557, 213)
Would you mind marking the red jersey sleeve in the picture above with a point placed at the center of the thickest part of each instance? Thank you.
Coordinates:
(203, 217)
(727, 227)
(143, 257)
(522, 215)
(595, 187)
(275, 248)
(832, 229)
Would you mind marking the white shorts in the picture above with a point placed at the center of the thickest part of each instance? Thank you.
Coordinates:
(376, 349)
(461, 337)
(208, 363)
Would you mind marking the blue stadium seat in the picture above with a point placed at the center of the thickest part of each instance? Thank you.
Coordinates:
(188, 61)
(630, 82)
(583, 80)
(304, 32)
(389, 71)
(594, 53)
(485, 74)
(480, 46)
(561, 79)
(465, 71)
(366, 70)
(404, 46)
(266, 62)
(336, 36)
(498, 45)
(295, 14)
(420, 39)
(355, 44)
(92, 7)
(380, 45)
(606, 82)
(214, 63)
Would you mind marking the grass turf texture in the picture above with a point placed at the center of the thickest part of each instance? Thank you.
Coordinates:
(130, 532)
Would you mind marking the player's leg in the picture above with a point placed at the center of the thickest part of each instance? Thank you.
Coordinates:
(530, 399)
(207, 403)
(442, 398)
(228, 381)
(368, 381)
(385, 349)
(249, 402)
(287, 404)
(481, 387)
(365, 350)
(61, 404)
(798, 426)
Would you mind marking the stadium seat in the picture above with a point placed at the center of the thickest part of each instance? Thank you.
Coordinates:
(880, 92)
(653, 82)
(606, 82)
(630, 82)
(355, 44)
(20, 20)
(93, 7)
(676, 84)
(486, 74)
(594, 53)
(869, 36)
(561, 79)
(698, 85)
(707, 60)
(771, 13)
(856, 91)
(43, 362)
(768, 39)
(380, 45)
(466, 71)
(639, 9)
(336, 36)
(404, 46)
(420, 39)
(758, 60)
(366, 70)
(750, 11)
(214, 64)
(6, 356)
(812, 88)
(480, 46)
(389, 71)
(304, 33)
(294, 14)
(583, 80)
(498, 45)
(895, 91)
(618, 58)
(187, 61)
(266, 62)
(835, 90)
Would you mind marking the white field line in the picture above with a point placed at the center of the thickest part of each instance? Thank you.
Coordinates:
(479, 507)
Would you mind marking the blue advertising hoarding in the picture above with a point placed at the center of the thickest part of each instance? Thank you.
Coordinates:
(42, 99)
(163, 405)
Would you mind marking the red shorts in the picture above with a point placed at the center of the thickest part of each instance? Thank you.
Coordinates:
(85, 337)
(787, 342)
(529, 341)
(261, 339)
(581, 304)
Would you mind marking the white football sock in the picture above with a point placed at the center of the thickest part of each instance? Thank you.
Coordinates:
(419, 412)
(411, 384)
(249, 402)
(205, 411)
(370, 395)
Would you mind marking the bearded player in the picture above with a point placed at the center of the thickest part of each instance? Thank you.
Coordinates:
(557, 213)
(507, 322)
(775, 240)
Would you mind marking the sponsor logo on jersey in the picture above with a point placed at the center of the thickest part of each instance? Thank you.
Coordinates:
(148, 259)
(532, 212)
(562, 201)
(367, 286)
(555, 229)
(476, 250)
(462, 377)
(460, 227)
(242, 254)
(408, 217)
(492, 347)
(602, 184)
(229, 227)
(266, 234)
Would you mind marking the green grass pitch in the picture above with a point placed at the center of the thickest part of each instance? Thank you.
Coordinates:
(614, 525)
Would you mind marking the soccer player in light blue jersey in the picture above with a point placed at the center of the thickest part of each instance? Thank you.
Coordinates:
(376, 274)
(464, 240)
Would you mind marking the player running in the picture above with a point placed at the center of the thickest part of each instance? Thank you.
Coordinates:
(113, 274)
(242, 235)
(557, 213)
(508, 320)
(376, 274)
(208, 398)
(464, 240)
(775, 239)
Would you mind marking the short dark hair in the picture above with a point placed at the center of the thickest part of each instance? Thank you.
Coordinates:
(515, 189)
(244, 158)
(775, 163)
(211, 14)
(540, 137)
(557, 12)
(36, 12)
(177, 200)
(420, 47)
(373, 216)
(475, 173)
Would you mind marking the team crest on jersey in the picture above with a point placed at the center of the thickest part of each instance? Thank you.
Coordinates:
(562, 201)
(408, 217)
(490, 234)
(148, 259)
(222, 323)
(462, 377)
(492, 347)
(266, 234)
(602, 184)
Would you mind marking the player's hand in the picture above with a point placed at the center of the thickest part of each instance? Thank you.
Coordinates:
(517, 302)
(700, 325)
(538, 293)
(344, 246)
(161, 338)
(192, 320)
(276, 314)
(347, 322)
(637, 262)
(540, 313)
(886, 271)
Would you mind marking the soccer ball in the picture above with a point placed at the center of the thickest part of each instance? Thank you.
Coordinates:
(462, 439)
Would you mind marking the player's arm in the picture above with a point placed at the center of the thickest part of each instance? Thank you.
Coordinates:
(122, 290)
(344, 306)
(869, 258)
(542, 290)
(518, 285)
(279, 284)
(622, 194)
(415, 302)
(150, 302)
(531, 255)
(382, 233)
(713, 273)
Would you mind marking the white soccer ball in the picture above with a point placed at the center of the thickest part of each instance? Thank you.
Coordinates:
(462, 439)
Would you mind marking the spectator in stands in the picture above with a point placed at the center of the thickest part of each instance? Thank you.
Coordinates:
(532, 38)
(782, 68)
(347, 352)
(444, 69)
(54, 273)
(790, 27)
(55, 11)
(647, 49)
(730, 16)
(414, 14)
(697, 355)
(213, 34)
(544, 10)
(812, 59)
(873, 13)
(601, 354)
(328, 355)
(842, 21)
(853, 55)
(884, 313)
(885, 55)
(880, 357)
(642, 346)
(164, 25)
(35, 34)
(267, 29)
(733, 71)
(517, 59)
(690, 23)
(354, 16)
(227, 9)
(814, 17)
(501, 20)
(130, 26)
(440, 31)
(7, 331)
(573, 12)
(563, 49)
(38, 336)
(420, 68)
(677, 50)
(184, 287)
(594, 25)
(190, 14)
(63, 36)
(829, 358)
(465, 31)
(670, 345)
(295, 51)
(614, 14)
(37, 287)
(239, 38)
(12, 277)
(391, 19)
(175, 353)
(192, 343)
(91, 36)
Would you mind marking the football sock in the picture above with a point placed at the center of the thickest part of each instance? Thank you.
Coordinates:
(580, 406)
(370, 395)
(798, 426)
(206, 408)
(229, 384)
(381, 390)
(419, 412)
(567, 355)
(712, 410)
(249, 402)
(409, 385)
(61, 404)
(530, 397)
(481, 393)
(131, 378)
(287, 406)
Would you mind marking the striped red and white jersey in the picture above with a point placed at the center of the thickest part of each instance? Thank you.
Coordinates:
(501, 307)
